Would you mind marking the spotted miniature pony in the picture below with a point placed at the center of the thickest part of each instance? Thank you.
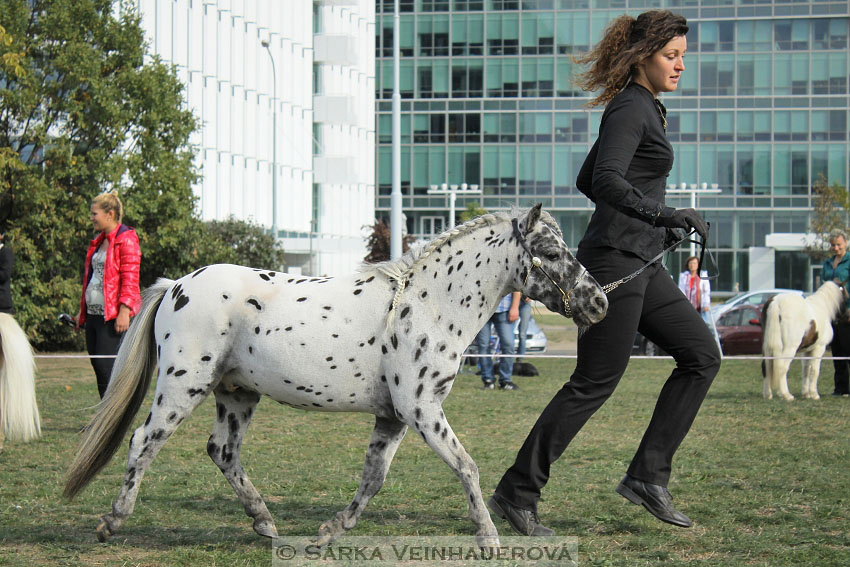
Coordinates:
(387, 341)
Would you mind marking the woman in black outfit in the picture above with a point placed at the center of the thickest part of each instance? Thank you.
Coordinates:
(625, 175)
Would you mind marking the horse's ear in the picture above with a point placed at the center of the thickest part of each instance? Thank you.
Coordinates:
(532, 217)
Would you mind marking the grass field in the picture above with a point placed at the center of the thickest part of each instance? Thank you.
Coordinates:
(767, 483)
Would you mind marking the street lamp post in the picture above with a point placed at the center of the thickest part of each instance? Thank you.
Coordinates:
(694, 191)
(452, 192)
(265, 44)
(395, 195)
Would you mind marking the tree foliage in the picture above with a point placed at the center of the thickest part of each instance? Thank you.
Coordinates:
(831, 209)
(246, 244)
(378, 242)
(471, 211)
(82, 110)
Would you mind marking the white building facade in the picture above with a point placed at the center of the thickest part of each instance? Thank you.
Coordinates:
(307, 66)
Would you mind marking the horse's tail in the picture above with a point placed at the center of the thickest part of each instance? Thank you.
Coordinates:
(19, 418)
(772, 340)
(128, 385)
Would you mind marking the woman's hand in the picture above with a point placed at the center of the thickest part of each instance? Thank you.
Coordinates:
(682, 218)
(122, 322)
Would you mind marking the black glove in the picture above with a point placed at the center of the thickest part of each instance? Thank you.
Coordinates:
(673, 236)
(682, 218)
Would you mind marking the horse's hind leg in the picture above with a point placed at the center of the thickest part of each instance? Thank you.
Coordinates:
(767, 370)
(779, 376)
(386, 438)
(171, 406)
(234, 411)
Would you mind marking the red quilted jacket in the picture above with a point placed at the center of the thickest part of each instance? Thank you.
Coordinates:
(121, 273)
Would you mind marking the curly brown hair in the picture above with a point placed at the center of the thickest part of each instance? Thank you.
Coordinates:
(626, 42)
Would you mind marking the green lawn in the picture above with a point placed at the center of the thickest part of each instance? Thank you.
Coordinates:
(767, 483)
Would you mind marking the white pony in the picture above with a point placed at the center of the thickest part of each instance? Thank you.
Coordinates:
(793, 324)
(19, 418)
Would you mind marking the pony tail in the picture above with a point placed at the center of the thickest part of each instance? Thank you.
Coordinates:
(605, 59)
(109, 201)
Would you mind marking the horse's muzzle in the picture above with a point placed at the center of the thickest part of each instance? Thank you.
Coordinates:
(588, 303)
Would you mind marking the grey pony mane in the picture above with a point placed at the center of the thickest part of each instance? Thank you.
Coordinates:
(400, 270)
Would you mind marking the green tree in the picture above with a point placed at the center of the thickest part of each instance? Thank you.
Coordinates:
(471, 211)
(246, 244)
(82, 111)
(831, 209)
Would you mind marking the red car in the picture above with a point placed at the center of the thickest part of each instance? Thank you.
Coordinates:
(740, 330)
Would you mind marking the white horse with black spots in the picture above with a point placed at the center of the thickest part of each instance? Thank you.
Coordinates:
(794, 325)
(386, 341)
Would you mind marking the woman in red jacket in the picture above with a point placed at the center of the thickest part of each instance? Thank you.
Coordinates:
(110, 286)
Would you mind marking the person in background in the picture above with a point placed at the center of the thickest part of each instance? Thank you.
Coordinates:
(7, 262)
(506, 313)
(625, 175)
(522, 329)
(837, 269)
(111, 294)
(697, 288)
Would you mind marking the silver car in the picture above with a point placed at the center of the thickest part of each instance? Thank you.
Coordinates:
(756, 297)
(535, 339)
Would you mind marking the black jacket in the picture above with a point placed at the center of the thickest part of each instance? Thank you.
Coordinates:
(7, 261)
(625, 174)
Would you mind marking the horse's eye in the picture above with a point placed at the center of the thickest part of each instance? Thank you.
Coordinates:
(552, 257)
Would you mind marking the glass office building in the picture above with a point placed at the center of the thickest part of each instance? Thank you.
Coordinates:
(488, 99)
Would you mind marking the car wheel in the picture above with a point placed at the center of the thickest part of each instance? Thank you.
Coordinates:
(649, 348)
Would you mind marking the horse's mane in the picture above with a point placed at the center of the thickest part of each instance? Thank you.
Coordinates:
(399, 270)
(831, 293)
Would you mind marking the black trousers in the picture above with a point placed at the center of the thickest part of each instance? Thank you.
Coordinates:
(841, 347)
(653, 304)
(101, 338)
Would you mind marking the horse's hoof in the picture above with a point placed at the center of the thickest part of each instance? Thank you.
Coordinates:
(328, 531)
(487, 543)
(104, 532)
(265, 528)
(325, 537)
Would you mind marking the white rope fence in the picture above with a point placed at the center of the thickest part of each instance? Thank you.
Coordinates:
(529, 356)
(74, 356)
(659, 357)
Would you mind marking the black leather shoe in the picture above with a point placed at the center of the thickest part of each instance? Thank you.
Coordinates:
(655, 498)
(524, 522)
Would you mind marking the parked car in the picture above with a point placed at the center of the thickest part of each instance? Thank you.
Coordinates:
(738, 323)
(740, 330)
(535, 339)
(756, 297)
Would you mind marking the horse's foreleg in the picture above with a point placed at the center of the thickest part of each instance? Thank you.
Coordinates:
(234, 411)
(386, 437)
(432, 425)
(171, 406)
(811, 372)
